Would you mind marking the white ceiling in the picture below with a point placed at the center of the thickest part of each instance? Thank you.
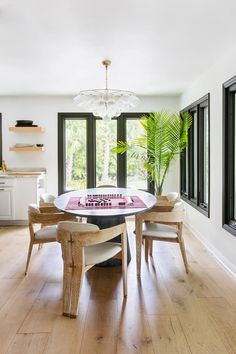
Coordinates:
(156, 46)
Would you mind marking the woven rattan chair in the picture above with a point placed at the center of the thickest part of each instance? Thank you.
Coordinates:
(47, 232)
(83, 246)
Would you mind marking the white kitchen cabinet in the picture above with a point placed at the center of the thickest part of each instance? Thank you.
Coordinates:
(7, 205)
(17, 193)
(27, 191)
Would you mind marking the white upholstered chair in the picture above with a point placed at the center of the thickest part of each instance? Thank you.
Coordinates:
(46, 199)
(46, 203)
(47, 232)
(83, 246)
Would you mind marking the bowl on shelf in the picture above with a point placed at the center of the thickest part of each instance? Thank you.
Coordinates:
(24, 123)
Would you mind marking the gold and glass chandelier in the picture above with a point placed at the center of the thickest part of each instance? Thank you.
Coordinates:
(106, 103)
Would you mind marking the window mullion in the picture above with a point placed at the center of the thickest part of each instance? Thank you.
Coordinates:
(121, 158)
(229, 140)
(201, 167)
(61, 153)
(91, 151)
(231, 156)
(0, 139)
(191, 162)
(197, 171)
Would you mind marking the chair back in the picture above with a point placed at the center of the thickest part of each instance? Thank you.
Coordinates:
(68, 234)
(87, 234)
(46, 199)
(46, 218)
(173, 217)
(106, 186)
(36, 217)
(178, 206)
(33, 213)
(172, 196)
(74, 237)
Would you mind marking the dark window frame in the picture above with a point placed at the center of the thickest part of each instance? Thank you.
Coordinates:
(91, 148)
(228, 138)
(0, 139)
(188, 195)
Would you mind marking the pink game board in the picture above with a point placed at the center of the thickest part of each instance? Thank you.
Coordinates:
(105, 201)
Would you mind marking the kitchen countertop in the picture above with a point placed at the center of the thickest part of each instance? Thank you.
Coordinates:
(23, 172)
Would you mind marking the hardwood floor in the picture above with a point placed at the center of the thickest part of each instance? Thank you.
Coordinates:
(166, 311)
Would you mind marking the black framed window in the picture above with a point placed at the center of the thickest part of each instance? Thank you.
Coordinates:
(84, 152)
(229, 155)
(195, 161)
(0, 139)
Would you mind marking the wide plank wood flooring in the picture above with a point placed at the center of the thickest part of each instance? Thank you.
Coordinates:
(166, 310)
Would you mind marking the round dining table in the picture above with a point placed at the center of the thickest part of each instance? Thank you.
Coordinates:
(105, 217)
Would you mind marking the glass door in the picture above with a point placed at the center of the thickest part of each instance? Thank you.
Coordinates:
(85, 157)
(136, 173)
(106, 161)
(75, 154)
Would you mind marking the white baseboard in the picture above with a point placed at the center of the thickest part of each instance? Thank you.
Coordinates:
(230, 267)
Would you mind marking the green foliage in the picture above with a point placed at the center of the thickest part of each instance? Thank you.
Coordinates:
(136, 174)
(106, 162)
(75, 134)
(75, 149)
(165, 136)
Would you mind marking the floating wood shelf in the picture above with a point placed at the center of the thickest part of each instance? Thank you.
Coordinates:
(26, 129)
(27, 148)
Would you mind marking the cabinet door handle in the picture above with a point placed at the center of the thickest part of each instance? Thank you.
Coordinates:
(2, 189)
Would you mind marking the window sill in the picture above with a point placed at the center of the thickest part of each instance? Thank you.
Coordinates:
(230, 229)
(204, 211)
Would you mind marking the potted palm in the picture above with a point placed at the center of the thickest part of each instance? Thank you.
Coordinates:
(165, 136)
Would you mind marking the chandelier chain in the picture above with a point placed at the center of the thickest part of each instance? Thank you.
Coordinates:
(106, 77)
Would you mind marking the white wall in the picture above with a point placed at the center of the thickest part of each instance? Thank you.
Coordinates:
(43, 111)
(210, 231)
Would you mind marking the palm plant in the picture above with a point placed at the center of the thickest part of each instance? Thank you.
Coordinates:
(165, 136)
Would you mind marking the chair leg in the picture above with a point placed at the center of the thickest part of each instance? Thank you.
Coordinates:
(76, 283)
(139, 238)
(28, 257)
(67, 278)
(146, 245)
(150, 247)
(124, 263)
(183, 252)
